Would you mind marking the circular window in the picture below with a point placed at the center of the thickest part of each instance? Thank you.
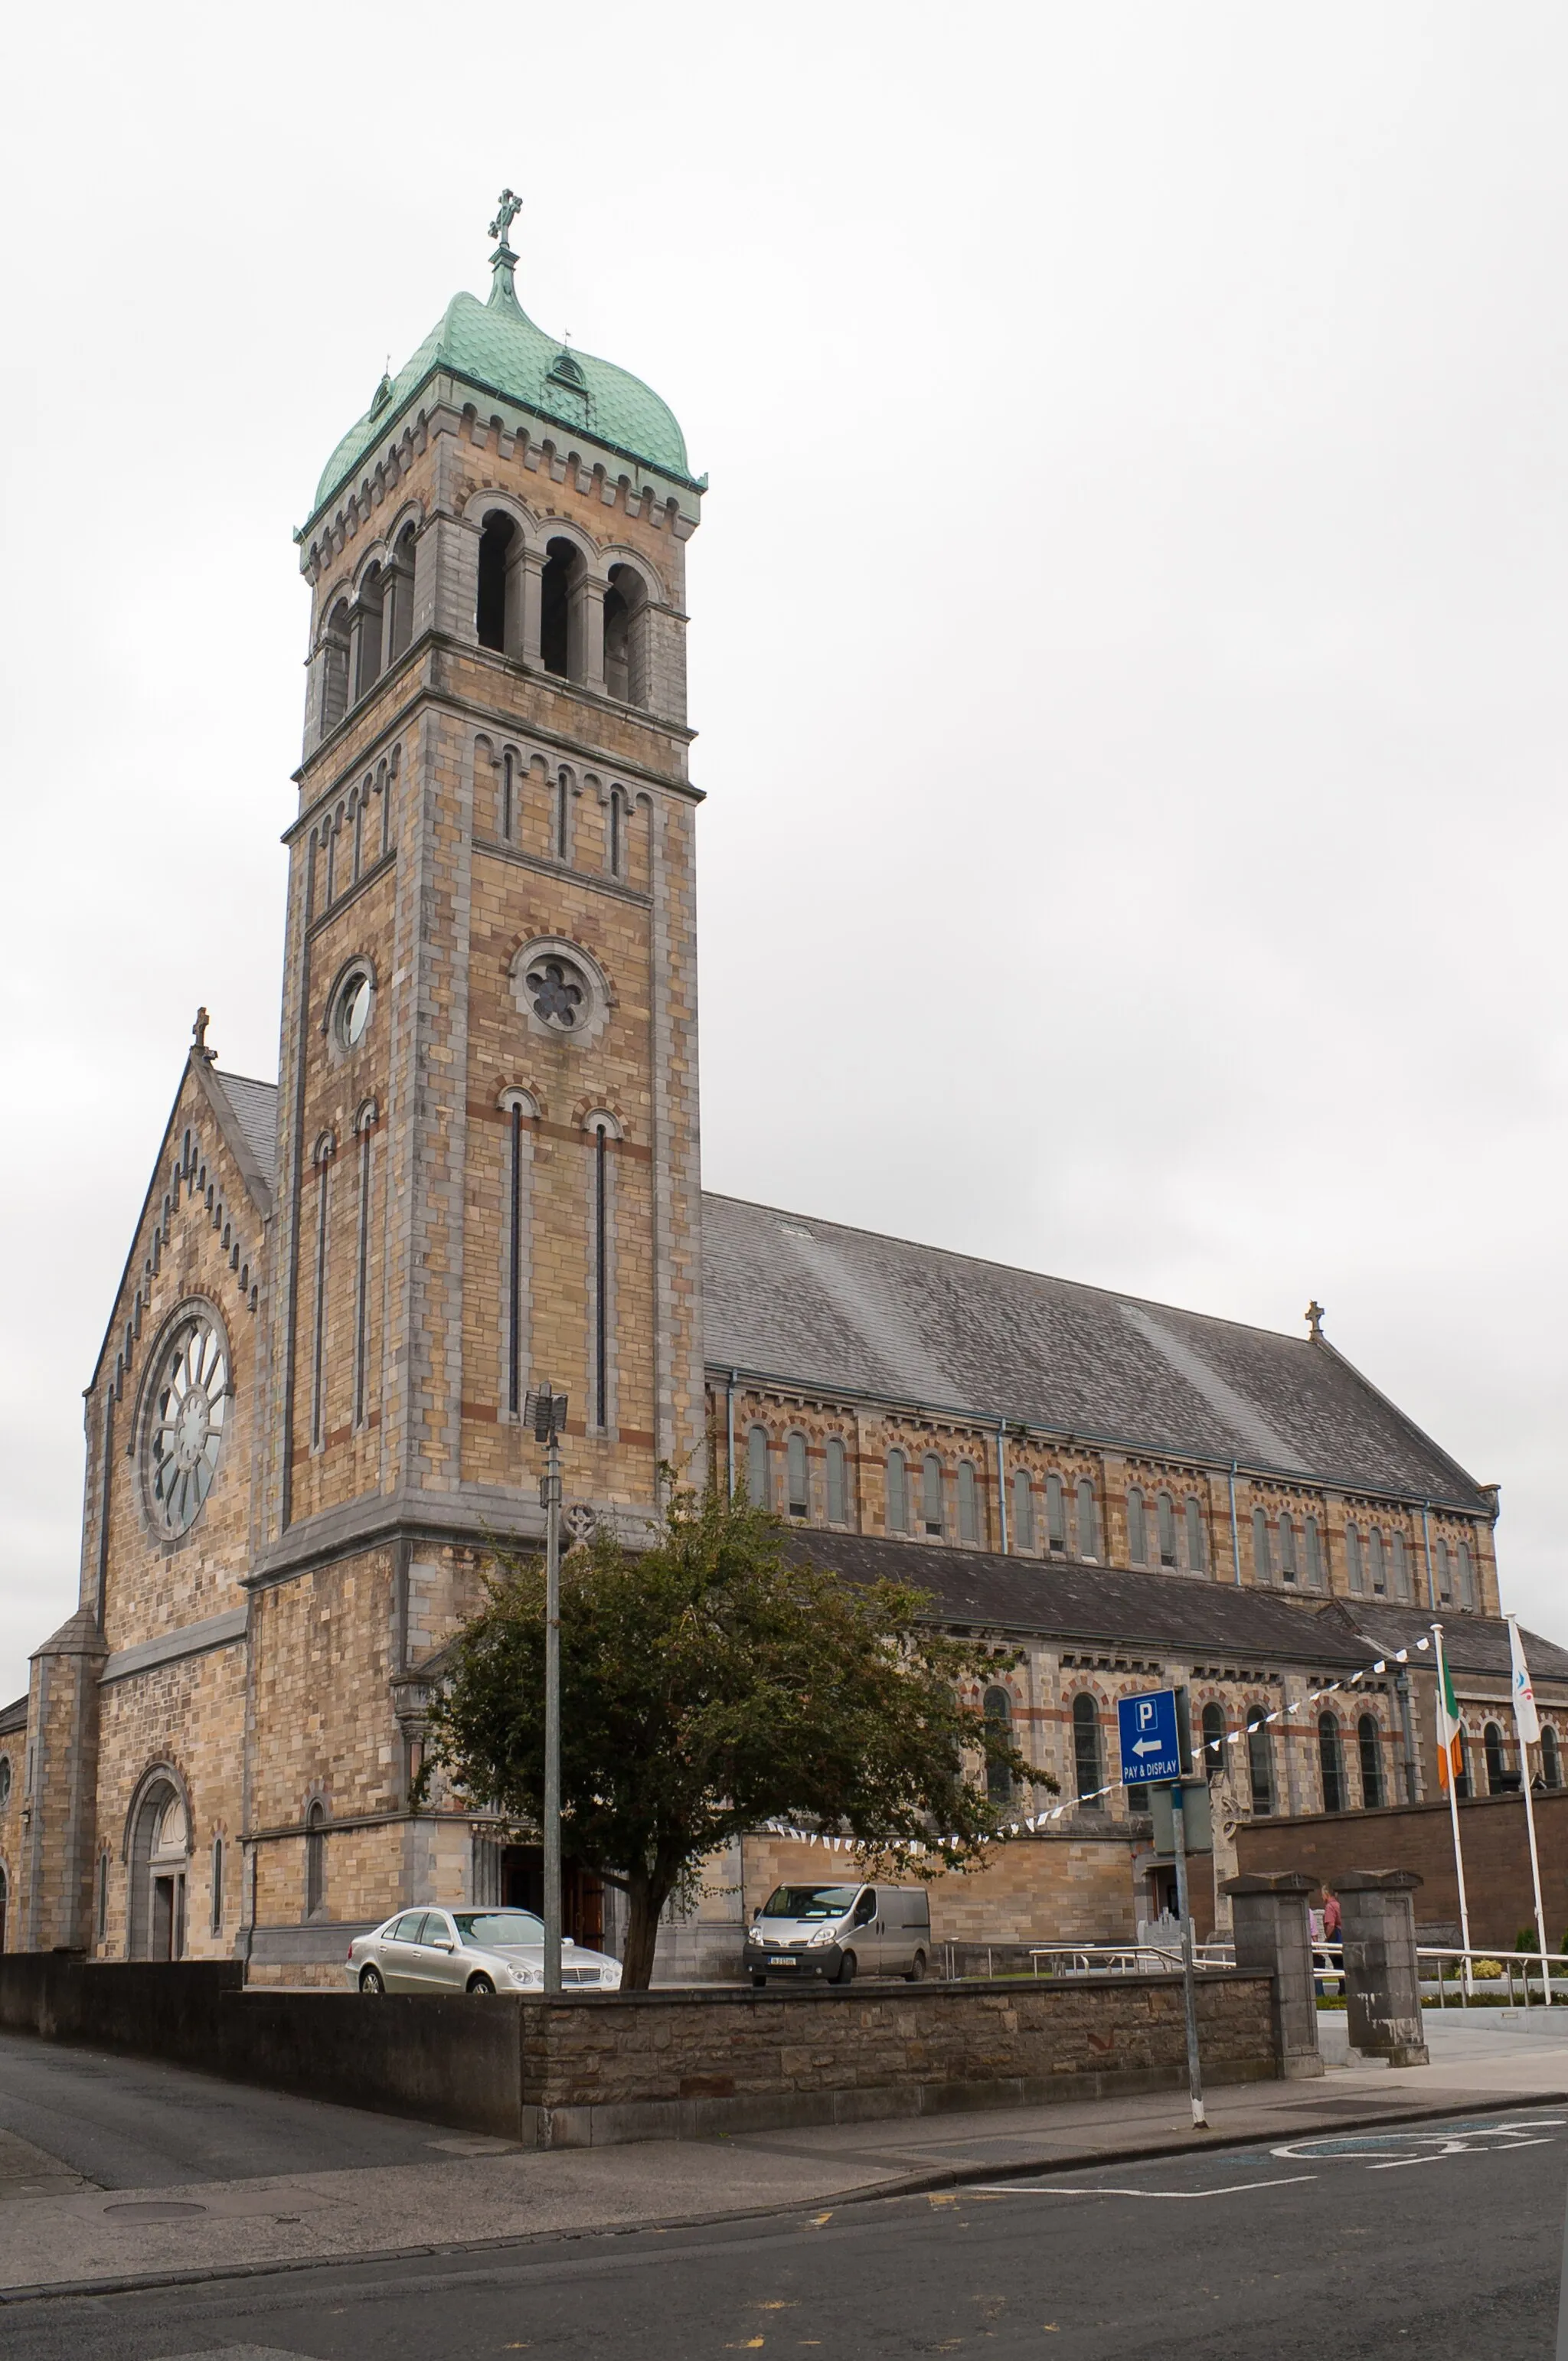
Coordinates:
(560, 989)
(558, 992)
(185, 1430)
(354, 1002)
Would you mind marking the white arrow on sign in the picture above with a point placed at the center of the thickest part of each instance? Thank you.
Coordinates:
(1148, 1746)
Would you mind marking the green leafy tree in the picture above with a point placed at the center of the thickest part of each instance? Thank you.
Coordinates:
(709, 1683)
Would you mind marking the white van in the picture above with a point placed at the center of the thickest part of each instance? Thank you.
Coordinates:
(840, 1932)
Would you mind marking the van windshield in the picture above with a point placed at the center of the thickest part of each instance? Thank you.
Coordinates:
(809, 1901)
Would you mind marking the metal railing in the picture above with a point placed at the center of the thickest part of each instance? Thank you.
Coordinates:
(1453, 1977)
(1468, 1983)
(1124, 1959)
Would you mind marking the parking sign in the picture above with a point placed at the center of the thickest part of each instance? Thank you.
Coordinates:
(1151, 1749)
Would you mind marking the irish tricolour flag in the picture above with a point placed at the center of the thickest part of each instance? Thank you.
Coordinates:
(1450, 1740)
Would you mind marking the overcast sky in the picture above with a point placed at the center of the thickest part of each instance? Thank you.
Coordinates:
(1126, 636)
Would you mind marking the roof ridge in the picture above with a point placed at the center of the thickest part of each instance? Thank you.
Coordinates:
(1023, 1270)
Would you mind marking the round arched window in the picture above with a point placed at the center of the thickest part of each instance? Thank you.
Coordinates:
(185, 1431)
(356, 997)
(5, 1781)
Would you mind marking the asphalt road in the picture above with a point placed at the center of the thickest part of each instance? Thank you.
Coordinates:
(1444, 2242)
(130, 2123)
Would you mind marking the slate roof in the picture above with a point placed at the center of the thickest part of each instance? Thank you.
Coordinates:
(1099, 1607)
(1095, 1605)
(255, 1111)
(813, 1303)
(1472, 1643)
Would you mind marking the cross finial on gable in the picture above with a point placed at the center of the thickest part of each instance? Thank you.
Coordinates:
(199, 1039)
(1315, 1321)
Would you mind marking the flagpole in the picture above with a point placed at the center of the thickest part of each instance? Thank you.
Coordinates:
(1452, 1786)
(1535, 1875)
(1516, 1653)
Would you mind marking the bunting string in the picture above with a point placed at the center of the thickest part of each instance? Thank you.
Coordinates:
(1033, 1821)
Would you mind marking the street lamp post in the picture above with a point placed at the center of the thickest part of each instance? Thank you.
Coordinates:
(546, 1412)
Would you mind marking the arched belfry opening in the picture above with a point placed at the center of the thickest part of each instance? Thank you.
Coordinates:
(559, 631)
(495, 542)
(400, 595)
(368, 624)
(625, 635)
(335, 666)
(160, 1856)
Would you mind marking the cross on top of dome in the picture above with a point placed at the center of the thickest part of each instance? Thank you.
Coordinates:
(507, 212)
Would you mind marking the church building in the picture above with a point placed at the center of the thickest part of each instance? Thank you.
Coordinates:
(478, 1167)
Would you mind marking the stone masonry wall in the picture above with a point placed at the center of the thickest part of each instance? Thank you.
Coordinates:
(153, 1584)
(190, 1716)
(892, 2052)
(601, 2069)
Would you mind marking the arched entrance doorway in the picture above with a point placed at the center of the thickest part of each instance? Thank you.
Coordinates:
(159, 1854)
(582, 1894)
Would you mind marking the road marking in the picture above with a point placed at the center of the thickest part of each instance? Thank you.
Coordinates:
(1462, 2139)
(1231, 2188)
(1400, 2162)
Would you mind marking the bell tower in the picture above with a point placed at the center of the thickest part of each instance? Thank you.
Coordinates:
(488, 1168)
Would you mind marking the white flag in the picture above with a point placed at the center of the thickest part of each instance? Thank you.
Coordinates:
(1525, 1713)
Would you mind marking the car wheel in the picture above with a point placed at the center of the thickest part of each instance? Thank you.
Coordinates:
(480, 1984)
(370, 1981)
(918, 1972)
(846, 1974)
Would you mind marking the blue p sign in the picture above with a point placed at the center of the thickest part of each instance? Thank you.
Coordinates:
(1151, 1747)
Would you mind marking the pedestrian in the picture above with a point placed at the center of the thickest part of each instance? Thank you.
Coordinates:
(1333, 1938)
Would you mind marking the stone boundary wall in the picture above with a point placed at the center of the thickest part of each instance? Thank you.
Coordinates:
(600, 2069)
(1420, 1837)
(442, 2060)
(693, 2065)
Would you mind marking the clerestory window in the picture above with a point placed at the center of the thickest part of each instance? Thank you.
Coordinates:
(757, 1468)
(931, 1494)
(837, 1482)
(795, 1469)
(897, 1519)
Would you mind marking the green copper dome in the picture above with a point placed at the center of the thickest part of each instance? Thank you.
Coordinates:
(495, 347)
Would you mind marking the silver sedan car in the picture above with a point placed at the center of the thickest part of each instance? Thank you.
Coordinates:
(472, 1952)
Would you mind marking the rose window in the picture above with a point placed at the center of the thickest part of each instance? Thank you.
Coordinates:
(559, 993)
(186, 1430)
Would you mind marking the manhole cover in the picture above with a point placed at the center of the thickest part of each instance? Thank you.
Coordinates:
(155, 2209)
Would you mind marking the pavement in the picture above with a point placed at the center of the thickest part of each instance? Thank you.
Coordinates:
(117, 2173)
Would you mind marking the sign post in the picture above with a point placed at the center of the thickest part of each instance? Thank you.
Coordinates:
(1150, 1728)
